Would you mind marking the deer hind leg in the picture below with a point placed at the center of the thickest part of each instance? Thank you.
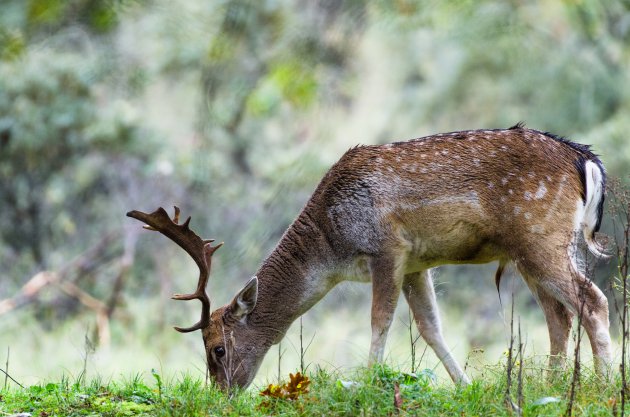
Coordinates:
(419, 292)
(558, 318)
(387, 273)
(571, 288)
(582, 292)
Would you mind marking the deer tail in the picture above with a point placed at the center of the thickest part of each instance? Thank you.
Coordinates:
(592, 211)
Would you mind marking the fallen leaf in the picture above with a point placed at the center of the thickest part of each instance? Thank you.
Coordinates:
(297, 385)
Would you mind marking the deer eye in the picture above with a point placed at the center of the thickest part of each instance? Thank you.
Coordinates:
(219, 352)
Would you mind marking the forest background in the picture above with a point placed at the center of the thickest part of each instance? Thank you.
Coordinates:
(233, 110)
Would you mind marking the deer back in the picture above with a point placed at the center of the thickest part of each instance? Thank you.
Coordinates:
(459, 197)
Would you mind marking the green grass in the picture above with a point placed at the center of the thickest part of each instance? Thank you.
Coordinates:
(371, 393)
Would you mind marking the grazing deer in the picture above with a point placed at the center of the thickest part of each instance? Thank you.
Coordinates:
(390, 213)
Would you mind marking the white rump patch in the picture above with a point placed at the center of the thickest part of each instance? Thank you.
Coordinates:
(578, 216)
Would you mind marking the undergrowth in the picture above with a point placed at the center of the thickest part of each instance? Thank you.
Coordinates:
(366, 392)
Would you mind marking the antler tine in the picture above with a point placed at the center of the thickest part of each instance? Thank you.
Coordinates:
(200, 293)
(199, 249)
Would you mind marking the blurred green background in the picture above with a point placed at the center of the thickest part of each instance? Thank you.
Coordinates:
(233, 110)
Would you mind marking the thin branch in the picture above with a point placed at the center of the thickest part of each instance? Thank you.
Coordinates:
(84, 263)
(6, 374)
(581, 291)
(519, 388)
(511, 361)
(7, 367)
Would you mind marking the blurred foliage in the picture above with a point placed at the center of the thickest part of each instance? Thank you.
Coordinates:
(38, 19)
(54, 139)
(68, 138)
(234, 109)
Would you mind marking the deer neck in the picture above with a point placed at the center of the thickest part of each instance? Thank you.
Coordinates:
(295, 276)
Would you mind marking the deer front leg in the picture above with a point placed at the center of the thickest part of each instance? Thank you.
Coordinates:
(386, 283)
(420, 295)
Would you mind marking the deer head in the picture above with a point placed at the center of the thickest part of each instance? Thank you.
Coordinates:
(223, 352)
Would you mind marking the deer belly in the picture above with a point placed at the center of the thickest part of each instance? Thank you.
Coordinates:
(460, 243)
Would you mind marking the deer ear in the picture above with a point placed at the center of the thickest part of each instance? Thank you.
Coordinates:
(245, 300)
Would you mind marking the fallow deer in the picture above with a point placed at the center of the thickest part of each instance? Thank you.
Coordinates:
(390, 213)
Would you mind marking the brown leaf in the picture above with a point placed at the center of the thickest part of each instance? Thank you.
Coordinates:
(274, 391)
(297, 385)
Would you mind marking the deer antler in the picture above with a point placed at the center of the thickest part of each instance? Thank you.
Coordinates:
(199, 249)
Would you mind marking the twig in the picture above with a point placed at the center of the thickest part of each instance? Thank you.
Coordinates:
(510, 364)
(7, 368)
(279, 362)
(620, 213)
(625, 260)
(89, 348)
(576, 375)
(6, 374)
(519, 388)
(423, 351)
(412, 341)
(301, 347)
